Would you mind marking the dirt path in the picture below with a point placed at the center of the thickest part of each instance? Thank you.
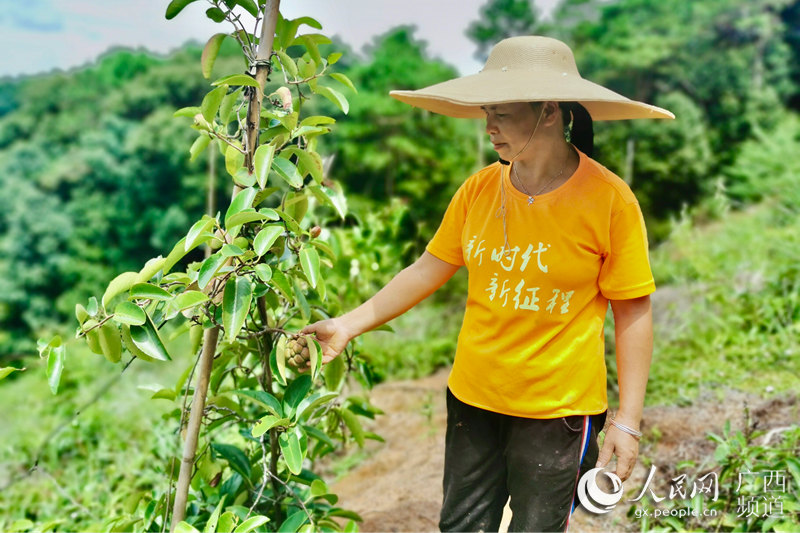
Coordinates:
(398, 487)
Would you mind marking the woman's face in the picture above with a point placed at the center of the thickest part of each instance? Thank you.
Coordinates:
(510, 127)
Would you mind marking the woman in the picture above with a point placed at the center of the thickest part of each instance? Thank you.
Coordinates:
(549, 238)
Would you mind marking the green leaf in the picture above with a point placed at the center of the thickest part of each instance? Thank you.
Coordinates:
(244, 217)
(268, 422)
(309, 261)
(150, 292)
(263, 162)
(243, 200)
(147, 339)
(270, 213)
(333, 373)
(226, 522)
(254, 521)
(290, 447)
(281, 282)
(226, 107)
(344, 80)
(315, 357)
(288, 64)
(308, 162)
(189, 299)
(231, 250)
(211, 524)
(211, 102)
(188, 112)
(279, 370)
(55, 366)
(193, 238)
(334, 58)
(81, 314)
(164, 394)
(266, 238)
(234, 158)
(316, 120)
(5, 371)
(129, 313)
(110, 343)
(178, 252)
(311, 46)
(118, 285)
(297, 390)
(302, 302)
(237, 79)
(150, 269)
(175, 7)
(209, 269)
(319, 435)
(198, 146)
(318, 488)
(264, 272)
(291, 223)
(210, 52)
(286, 170)
(293, 523)
(236, 305)
(334, 96)
(353, 424)
(264, 398)
(215, 14)
(235, 457)
(308, 405)
(249, 6)
(185, 527)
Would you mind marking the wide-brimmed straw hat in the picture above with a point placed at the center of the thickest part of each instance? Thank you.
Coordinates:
(527, 69)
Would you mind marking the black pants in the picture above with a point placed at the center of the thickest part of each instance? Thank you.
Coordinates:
(491, 456)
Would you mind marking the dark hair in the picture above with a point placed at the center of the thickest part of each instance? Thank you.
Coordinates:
(582, 135)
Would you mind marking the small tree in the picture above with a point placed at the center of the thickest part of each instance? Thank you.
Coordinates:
(273, 409)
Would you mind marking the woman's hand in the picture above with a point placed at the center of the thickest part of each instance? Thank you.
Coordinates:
(624, 446)
(331, 335)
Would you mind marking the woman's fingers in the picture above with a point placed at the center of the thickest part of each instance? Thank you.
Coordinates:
(626, 449)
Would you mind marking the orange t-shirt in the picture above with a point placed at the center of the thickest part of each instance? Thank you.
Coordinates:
(531, 343)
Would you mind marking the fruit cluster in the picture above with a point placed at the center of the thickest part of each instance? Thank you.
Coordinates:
(298, 354)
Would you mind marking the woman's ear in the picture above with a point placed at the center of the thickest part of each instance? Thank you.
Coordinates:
(551, 114)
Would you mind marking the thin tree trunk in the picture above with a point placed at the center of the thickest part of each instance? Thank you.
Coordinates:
(211, 193)
(193, 427)
(630, 154)
(212, 335)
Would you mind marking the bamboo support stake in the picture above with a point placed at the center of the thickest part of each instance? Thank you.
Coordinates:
(211, 335)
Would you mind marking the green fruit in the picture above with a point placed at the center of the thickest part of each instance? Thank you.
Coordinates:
(110, 342)
(241, 242)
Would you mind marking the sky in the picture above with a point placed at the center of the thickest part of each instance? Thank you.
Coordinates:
(41, 35)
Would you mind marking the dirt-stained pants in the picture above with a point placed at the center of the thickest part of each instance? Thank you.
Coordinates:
(491, 456)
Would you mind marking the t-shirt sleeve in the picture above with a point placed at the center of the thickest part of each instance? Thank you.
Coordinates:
(446, 243)
(625, 273)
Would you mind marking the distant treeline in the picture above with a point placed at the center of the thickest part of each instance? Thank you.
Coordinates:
(94, 169)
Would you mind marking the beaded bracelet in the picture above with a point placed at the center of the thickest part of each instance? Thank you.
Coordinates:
(626, 429)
